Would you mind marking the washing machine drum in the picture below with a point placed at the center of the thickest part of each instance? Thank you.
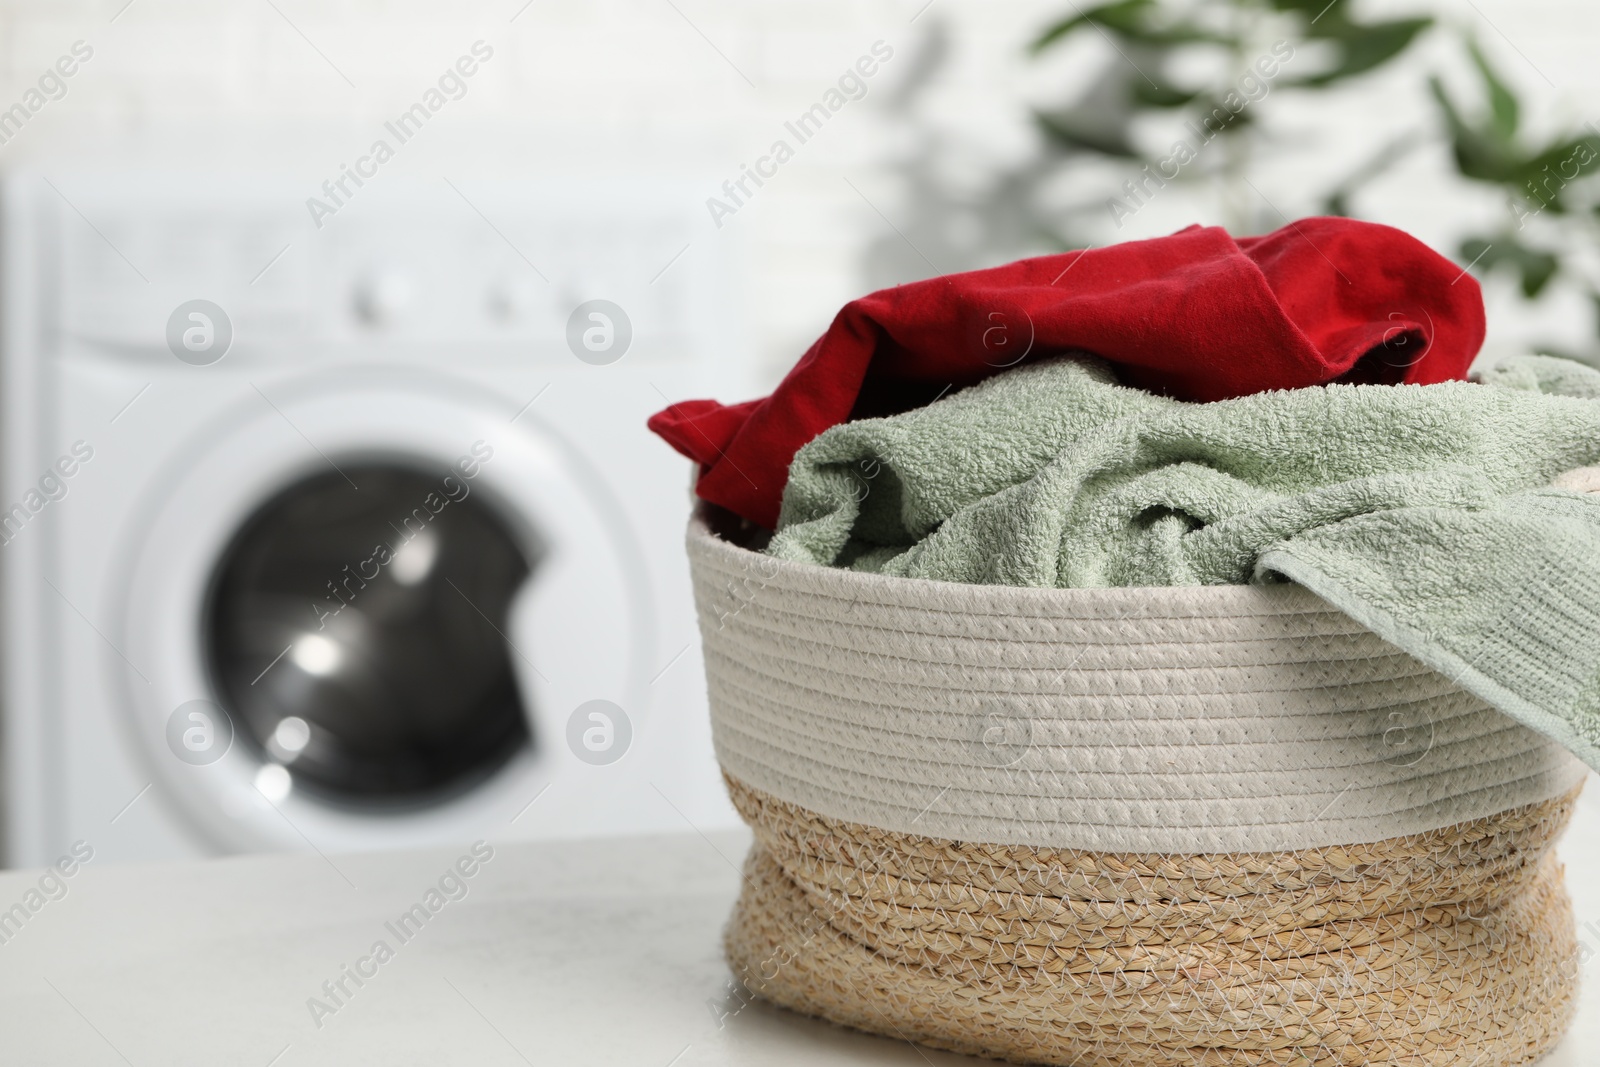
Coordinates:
(381, 602)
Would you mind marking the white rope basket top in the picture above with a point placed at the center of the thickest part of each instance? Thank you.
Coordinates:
(1192, 719)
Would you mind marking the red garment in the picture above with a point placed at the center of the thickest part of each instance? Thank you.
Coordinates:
(1195, 315)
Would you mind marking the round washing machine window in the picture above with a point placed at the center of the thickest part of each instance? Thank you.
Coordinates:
(383, 615)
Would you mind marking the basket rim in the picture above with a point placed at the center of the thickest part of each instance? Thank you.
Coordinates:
(1180, 601)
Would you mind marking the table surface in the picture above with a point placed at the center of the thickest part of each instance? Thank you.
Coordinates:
(592, 952)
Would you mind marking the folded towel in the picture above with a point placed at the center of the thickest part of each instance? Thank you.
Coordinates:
(1195, 315)
(1426, 513)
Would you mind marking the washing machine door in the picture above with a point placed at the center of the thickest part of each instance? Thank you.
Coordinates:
(379, 595)
(362, 612)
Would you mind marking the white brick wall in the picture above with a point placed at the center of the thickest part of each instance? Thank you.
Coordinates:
(631, 86)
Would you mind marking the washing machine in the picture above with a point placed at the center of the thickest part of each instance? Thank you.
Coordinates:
(334, 532)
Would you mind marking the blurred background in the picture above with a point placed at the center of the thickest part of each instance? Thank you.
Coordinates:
(328, 332)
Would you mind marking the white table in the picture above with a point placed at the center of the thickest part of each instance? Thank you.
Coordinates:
(586, 953)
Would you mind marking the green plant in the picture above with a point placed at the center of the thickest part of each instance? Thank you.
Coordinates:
(1146, 79)
(1551, 226)
(1156, 41)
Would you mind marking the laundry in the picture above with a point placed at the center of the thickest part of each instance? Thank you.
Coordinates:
(1195, 315)
(1429, 514)
(1544, 374)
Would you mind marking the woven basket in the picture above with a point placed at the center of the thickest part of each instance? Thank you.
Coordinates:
(1213, 826)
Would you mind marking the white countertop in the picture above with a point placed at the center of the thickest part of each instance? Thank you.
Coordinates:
(595, 952)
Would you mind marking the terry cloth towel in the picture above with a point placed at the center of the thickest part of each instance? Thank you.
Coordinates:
(1196, 315)
(1426, 513)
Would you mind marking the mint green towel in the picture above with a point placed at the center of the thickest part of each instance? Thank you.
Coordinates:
(1424, 512)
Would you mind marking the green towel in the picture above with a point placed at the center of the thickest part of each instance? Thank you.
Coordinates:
(1424, 512)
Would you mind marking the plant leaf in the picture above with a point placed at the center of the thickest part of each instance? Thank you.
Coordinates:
(1140, 21)
(1065, 132)
(1116, 13)
(1226, 120)
(1479, 155)
(1535, 267)
(1362, 46)
(1452, 114)
(1550, 173)
(1502, 102)
(1148, 95)
(1317, 9)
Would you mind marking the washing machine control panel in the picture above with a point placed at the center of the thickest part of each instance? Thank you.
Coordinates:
(496, 265)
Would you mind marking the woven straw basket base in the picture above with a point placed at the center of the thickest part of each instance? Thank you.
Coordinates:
(1451, 947)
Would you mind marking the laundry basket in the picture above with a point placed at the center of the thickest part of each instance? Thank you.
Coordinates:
(1125, 827)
